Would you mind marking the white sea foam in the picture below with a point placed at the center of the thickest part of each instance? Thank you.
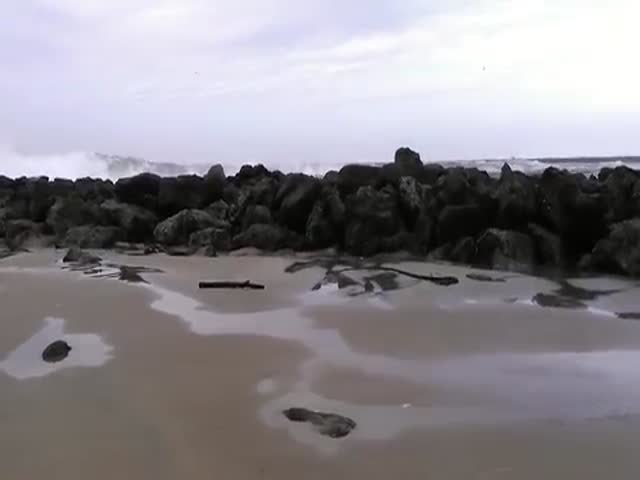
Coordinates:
(89, 164)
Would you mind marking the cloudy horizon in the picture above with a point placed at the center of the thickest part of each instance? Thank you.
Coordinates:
(262, 80)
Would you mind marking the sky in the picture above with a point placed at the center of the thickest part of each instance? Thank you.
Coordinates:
(319, 80)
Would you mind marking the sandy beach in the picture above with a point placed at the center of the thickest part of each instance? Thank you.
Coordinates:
(476, 380)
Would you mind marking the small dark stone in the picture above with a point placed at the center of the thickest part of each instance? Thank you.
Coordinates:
(328, 424)
(629, 315)
(56, 352)
(557, 301)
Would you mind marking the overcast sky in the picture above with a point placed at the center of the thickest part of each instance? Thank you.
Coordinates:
(334, 80)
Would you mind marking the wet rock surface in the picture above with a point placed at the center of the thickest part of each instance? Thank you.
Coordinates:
(78, 256)
(556, 220)
(56, 352)
(328, 424)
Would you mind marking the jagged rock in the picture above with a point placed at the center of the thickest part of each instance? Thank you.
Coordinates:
(578, 217)
(215, 182)
(180, 193)
(219, 211)
(19, 233)
(411, 198)
(328, 424)
(320, 231)
(548, 247)
(424, 232)
(218, 239)
(431, 173)
(463, 251)
(517, 199)
(79, 256)
(256, 214)
(137, 224)
(371, 215)
(263, 192)
(176, 230)
(352, 177)
(505, 250)
(250, 174)
(620, 185)
(262, 236)
(73, 211)
(92, 237)
(38, 191)
(56, 352)
(619, 252)
(141, 190)
(409, 162)
(458, 221)
(295, 199)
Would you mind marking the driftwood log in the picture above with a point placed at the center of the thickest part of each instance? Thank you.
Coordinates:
(225, 285)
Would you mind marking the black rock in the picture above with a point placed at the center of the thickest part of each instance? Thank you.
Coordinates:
(92, 237)
(141, 190)
(79, 256)
(137, 223)
(56, 352)
(177, 229)
(458, 221)
(408, 161)
(295, 199)
(262, 236)
(328, 424)
(619, 252)
(505, 250)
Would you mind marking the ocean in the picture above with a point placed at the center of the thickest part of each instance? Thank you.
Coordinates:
(98, 165)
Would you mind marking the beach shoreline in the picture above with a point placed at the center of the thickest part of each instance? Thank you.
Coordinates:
(553, 221)
(169, 381)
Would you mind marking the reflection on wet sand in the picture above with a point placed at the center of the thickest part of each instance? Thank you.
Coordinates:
(88, 350)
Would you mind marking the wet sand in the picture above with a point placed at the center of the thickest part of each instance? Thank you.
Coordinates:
(471, 381)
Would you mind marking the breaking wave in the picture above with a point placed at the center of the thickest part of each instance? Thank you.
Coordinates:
(96, 165)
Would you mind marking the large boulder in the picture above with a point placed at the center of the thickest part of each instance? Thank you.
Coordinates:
(295, 199)
(620, 185)
(92, 237)
(263, 192)
(505, 250)
(256, 214)
(408, 162)
(38, 191)
(215, 182)
(320, 232)
(141, 190)
(577, 216)
(216, 238)
(181, 193)
(411, 196)
(176, 230)
(549, 249)
(137, 223)
(262, 236)
(352, 177)
(21, 233)
(458, 221)
(71, 212)
(619, 252)
(249, 174)
(371, 215)
(94, 190)
(517, 199)
(219, 211)
(325, 225)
